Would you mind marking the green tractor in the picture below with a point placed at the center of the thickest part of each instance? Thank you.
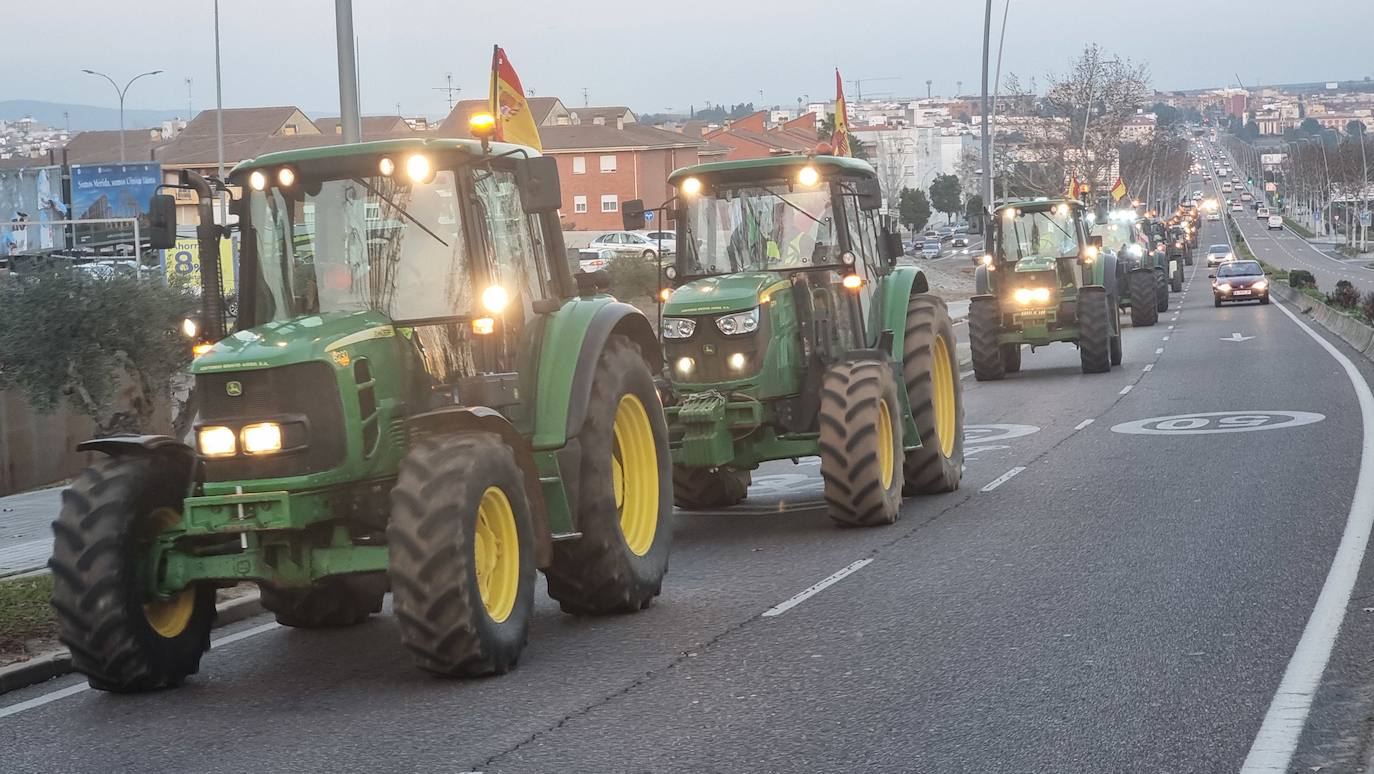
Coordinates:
(418, 397)
(1168, 267)
(1044, 280)
(1122, 237)
(792, 332)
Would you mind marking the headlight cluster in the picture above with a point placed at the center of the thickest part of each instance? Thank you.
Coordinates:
(678, 327)
(1260, 285)
(257, 438)
(1224, 287)
(738, 323)
(1024, 296)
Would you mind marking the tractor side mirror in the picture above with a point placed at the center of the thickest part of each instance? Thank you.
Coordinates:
(1096, 241)
(537, 179)
(162, 222)
(892, 246)
(632, 215)
(870, 195)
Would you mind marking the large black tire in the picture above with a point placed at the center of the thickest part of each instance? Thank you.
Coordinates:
(1094, 330)
(1116, 349)
(702, 489)
(436, 534)
(930, 359)
(109, 517)
(600, 573)
(334, 602)
(1011, 358)
(1161, 291)
(859, 451)
(984, 323)
(1188, 257)
(1142, 288)
(1176, 282)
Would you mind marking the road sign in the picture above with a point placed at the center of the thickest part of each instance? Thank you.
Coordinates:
(1237, 337)
(648, 216)
(1271, 186)
(1365, 219)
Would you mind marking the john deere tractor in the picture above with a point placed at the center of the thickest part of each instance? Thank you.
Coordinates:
(417, 397)
(1044, 280)
(792, 332)
(1122, 237)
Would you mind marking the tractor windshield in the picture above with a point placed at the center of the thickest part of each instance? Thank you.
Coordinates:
(361, 244)
(758, 228)
(1044, 233)
(1116, 236)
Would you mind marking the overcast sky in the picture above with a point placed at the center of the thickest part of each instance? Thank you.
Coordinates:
(653, 55)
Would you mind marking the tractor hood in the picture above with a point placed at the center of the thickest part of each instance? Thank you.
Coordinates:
(1035, 263)
(726, 293)
(292, 341)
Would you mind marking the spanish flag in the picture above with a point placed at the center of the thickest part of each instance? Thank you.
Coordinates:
(1118, 190)
(1073, 187)
(514, 123)
(839, 141)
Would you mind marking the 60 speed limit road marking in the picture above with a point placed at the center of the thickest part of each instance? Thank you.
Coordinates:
(1210, 422)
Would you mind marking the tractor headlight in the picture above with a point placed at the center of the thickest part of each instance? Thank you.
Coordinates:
(1025, 296)
(741, 322)
(216, 441)
(1135, 250)
(737, 361)
(678, 327)
(262, 438)
(685, 366)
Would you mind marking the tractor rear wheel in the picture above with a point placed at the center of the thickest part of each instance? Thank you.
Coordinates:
(861, 443)
(930, 369)
(1011, 357)
(1142, 289)
(625, 494)
(331, 603)
(984, 323)
(1094, 331)
(1176, 283)
(120, 638)
(462, 555)
(1161, 291)
(703, 489)
(1188, 258)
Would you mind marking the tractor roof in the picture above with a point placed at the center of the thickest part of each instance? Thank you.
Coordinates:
(378, 147)
(1039, 204)
(775, 166)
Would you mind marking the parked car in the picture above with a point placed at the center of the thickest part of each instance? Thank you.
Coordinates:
(1274, 222)
(1240, 281)
(1219, 254)
(931, 248)
(668, 240)
(626, 243)
(590, 259)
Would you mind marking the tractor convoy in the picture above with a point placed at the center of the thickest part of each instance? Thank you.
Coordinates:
(419, 396)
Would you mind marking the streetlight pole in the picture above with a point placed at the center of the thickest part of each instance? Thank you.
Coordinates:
(987, 130)
(121, 92)
(350, 124)
(219, 125)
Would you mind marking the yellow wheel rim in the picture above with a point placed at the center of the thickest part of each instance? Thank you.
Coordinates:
(885, 444)
(634, 474)
(496, 549)
(169, 617)
(942, 383)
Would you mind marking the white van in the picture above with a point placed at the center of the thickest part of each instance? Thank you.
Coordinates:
(1275, 222)
(1226, 188)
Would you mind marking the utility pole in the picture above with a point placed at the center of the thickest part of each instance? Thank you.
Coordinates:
(349, 121)
(987, 135)
(188, 98)
(928, 82)
(449, 89)
(585, 99)
(219, 122)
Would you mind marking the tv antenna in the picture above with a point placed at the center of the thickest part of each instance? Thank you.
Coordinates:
(449, 89)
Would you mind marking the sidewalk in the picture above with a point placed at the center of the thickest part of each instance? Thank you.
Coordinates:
(25, 531)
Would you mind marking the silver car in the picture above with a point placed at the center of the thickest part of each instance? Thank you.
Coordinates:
(626, 243)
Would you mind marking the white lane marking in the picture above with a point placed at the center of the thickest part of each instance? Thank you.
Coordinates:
(72, 690)
(1125, 389)
(1149, 367)
(1159, 351)
(1171, 327)
(812, 591)
(1002, 479)
(1166, 338)
(1082, 424)
(965, 374)
(1287, 715)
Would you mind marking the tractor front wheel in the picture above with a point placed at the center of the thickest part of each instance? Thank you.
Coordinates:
(1176, 282)
(703, 489)
(930, 368)
(462, 555)
(1011, 358)
(1142, 289)
(625, 495)
(1161, 291)
(1094, 331)
(984, 323)
(861, 443)
(120, 637)
(334, 602)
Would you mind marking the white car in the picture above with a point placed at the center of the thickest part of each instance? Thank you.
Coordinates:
(626, 243)
(960, 240)
(1262, 212)
(1214, 215)
(667, 238)
(1246, 197)
(1217, 254)
(1237, 207)
(590, 260)
(1275, 222)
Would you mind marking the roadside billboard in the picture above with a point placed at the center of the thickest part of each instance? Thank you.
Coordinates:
(1271, 159)
(181, 264)
(29, 196)
(111, 191)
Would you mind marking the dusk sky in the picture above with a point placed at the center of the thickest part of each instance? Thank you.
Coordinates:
(655, 56)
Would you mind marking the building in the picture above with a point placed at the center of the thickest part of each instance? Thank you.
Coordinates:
(751, 138)
(912, 156)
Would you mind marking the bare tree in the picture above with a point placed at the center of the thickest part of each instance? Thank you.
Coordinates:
(895, 154)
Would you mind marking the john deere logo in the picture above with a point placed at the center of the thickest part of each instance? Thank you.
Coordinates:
(233, 389)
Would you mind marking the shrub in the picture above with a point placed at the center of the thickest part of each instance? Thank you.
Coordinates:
(1345, 295)
(1367, 306)
(1300, 278)
(633, 276)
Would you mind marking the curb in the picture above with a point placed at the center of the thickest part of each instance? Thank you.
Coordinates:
(1346, 328)
(59, 662)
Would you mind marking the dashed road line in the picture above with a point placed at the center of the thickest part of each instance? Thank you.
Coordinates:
(1082, 424)
(1126, 389)
(811, 591)
(1149, 367)
(1159, 351)
(1002, 479)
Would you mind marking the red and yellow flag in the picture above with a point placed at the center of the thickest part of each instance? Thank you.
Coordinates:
(1118, 190)
(840, 139)
(1073, 186)
(514, 122)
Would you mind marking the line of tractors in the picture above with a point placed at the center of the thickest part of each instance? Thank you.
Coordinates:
(419, 396)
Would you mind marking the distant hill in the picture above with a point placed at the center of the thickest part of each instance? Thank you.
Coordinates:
(83, 117)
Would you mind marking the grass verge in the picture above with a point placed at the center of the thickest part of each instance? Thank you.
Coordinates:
(1296, 228)
(25, 616)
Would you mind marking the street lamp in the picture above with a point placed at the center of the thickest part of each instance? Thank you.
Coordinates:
(121, 93)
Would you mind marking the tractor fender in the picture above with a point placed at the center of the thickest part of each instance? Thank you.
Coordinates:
(164, 448)
(564, 382)
(482, 419)
(982, 281)
(890, 315)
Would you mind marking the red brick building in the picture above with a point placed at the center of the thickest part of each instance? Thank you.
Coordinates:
(750, 137)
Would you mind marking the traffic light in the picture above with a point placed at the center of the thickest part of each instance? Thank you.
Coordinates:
(1250, 180)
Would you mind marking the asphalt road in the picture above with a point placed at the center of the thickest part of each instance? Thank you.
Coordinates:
(1093, 599)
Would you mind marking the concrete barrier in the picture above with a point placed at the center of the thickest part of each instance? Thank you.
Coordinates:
(1345, 327)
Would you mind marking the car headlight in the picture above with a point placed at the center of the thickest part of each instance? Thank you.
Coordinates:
(678, 327)
(740, 322)
(1224, 287)
(1260, 285)
(262, 438)
(1026, 296)
(216, 441)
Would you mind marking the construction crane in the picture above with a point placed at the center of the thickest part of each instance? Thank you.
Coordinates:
(858, 84)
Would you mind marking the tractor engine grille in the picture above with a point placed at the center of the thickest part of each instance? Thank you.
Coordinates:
(303, 391)
(712, 349)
